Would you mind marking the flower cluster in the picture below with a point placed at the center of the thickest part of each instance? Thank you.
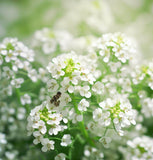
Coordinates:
(143, 74)
(115, 49)
(81, 100)
(147, 107)
(140, 148)
(91, 153)
(42, 120)
(51, 41)
(115, 112)
(15, 59)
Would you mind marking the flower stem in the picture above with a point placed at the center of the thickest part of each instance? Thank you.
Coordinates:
(81, 124)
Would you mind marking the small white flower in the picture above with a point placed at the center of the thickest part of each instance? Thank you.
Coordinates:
(38, 137)
(105, 141)
(84, 91)
(17, 82)
(83, 104)
(47, 144)
(40, 125)
(52, 85)
(25, 99)
(97, 114)
(60, 156)
(66, 140)
(98, 87)
(2, 138)
(32, 74)
(65, 99)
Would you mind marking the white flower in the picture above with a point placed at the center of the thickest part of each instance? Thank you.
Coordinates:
(38, 137)
(55, 118)
(7, 91)
(25, 99)
(66, 86)
(114, 66)
(83, 104)
(21, 113)
(1, 60)
(2, 138)
(115, 46)
(47, 144)
(65, 99)
(98, 87)
(40, 125)
(66, 140)
(32, 74)
(140, 148)
(105, 141)
(60, 156)
(97, 114)
(93, 153)
(7, 72)
(117, 111)
(42, 75)
(18, 64)
(52, 85)
(17, 82)
(147, 107)
(75, 117)
(84, 91)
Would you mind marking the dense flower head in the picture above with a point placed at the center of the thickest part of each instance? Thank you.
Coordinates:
(70, 71)
(140, 148)
(143, 74)
(42, 121)
(73, 66)
(86, 96)
(16, 58)
(115, 49)
(52, 40)
(115, 112)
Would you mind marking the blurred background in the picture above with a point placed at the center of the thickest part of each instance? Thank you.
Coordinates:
(21, 18)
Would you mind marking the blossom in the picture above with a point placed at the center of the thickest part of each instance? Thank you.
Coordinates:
(25, 99)
(139, 148)
(115, 47)
(147, 107)
(60, 156)
(17, 82)
(47, 144)
(83, 104)
(117, 111)
(52, 85)
(49, 40)
(66, 140)
(105, 141)
(92, 153)
(42, 121)
(84, 91)
(98, 87)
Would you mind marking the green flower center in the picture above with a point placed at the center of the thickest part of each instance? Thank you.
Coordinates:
(70, 67)
(44, 115)
(115, 110)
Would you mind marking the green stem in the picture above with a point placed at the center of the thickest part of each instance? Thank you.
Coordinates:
(18, 95)
(71, 150)
(81, 124)
(55, 138)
